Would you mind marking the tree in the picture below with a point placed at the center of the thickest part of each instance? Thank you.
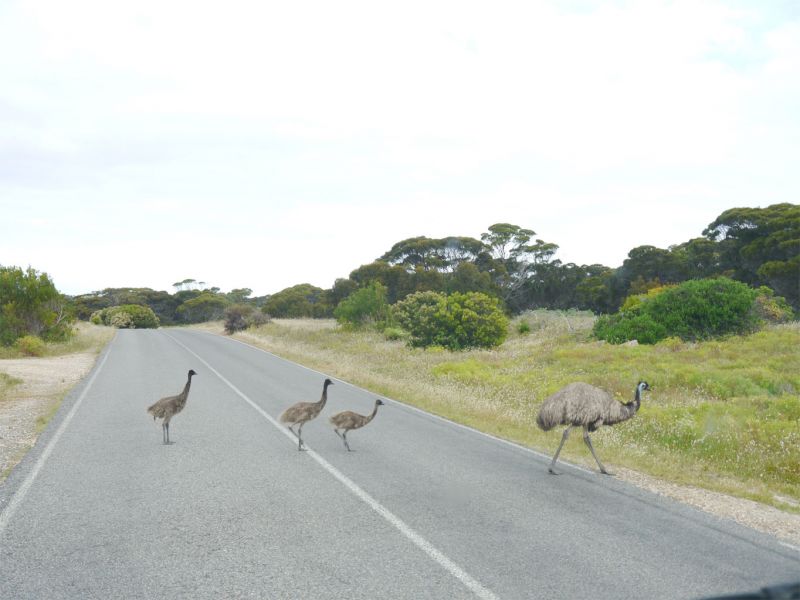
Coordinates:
(30, 304)
(443, 255)
(365, 305)
(239, 295)
(761, 246)
(303, 300)
(651, 263)
(207, 306)
(504, 239)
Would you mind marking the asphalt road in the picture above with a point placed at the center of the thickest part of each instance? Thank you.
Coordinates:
(422, 508)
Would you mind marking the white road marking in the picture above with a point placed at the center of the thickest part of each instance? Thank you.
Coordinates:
(790, 546)
(22, 491)
(465, 578)
(409, 407)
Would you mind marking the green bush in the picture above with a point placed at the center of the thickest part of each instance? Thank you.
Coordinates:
(127, 316)
(394, 333)
(523, 327)
(367, 304)
(694, 310)
(30, 304)
(30, 345)
(620, 328)
(457, 321)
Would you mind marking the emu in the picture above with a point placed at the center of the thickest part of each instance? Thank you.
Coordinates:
(302, 412)
(348, 420)
(168, 407)
(587, 406)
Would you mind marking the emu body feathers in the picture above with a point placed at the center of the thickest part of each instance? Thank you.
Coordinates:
(303, 412)
(586, 406)
(168, 407)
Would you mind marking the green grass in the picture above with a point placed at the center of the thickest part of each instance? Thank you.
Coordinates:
(724, 415)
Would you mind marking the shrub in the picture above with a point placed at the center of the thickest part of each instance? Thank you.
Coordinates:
(694, 310)
(770, 308)
(121, 320)
(239, 317)
(367, 304)
(30, 345)
(457, 321)
(30, 304)
(394, 333)
(620, 328)
(127, 316)
(523, 327)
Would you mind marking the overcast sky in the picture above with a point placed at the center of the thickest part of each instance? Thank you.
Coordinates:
(264, 144)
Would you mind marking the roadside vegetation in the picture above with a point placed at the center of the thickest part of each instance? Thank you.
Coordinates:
(723, 414)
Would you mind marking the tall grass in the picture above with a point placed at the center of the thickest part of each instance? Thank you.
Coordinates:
(723, 414)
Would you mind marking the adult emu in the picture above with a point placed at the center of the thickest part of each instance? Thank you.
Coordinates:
(168, 407)
(586, 406)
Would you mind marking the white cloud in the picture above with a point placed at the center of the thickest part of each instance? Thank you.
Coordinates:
(337, 129)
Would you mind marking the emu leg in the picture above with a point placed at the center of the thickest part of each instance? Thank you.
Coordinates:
(561, 445)
(300, 437)
(589, 443)
(166, 430)
(344, 437)
(164, 433)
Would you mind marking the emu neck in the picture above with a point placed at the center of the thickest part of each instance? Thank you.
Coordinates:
(374, 412)
(633, 407)
(185, 391)
(324, 397)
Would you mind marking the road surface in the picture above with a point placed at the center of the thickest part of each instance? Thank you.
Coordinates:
(422, 508)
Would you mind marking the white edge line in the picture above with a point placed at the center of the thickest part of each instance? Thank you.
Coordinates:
(23, 489)
(790, 546)
(547, 457)
(467, 427)
(472, 584)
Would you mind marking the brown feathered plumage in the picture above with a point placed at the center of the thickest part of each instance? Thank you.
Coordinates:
(348, 420)
(168, 407)
(302, 412)
(586, 406)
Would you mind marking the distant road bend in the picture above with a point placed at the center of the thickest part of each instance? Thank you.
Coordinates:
(421, 508)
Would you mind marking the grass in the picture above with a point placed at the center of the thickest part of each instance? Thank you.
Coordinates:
(723, 415)
(7, 383)
(86, 338)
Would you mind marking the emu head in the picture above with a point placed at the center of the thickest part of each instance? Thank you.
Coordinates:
(328, 382)
(643, 386)
(191, 372)
(379, 402)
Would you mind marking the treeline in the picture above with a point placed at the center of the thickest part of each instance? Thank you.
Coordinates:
(192, 302)
(757, 246)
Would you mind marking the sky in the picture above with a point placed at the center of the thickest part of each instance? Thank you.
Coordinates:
(265, 144)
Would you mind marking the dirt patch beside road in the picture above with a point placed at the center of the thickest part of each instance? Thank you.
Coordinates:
(27, 405)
